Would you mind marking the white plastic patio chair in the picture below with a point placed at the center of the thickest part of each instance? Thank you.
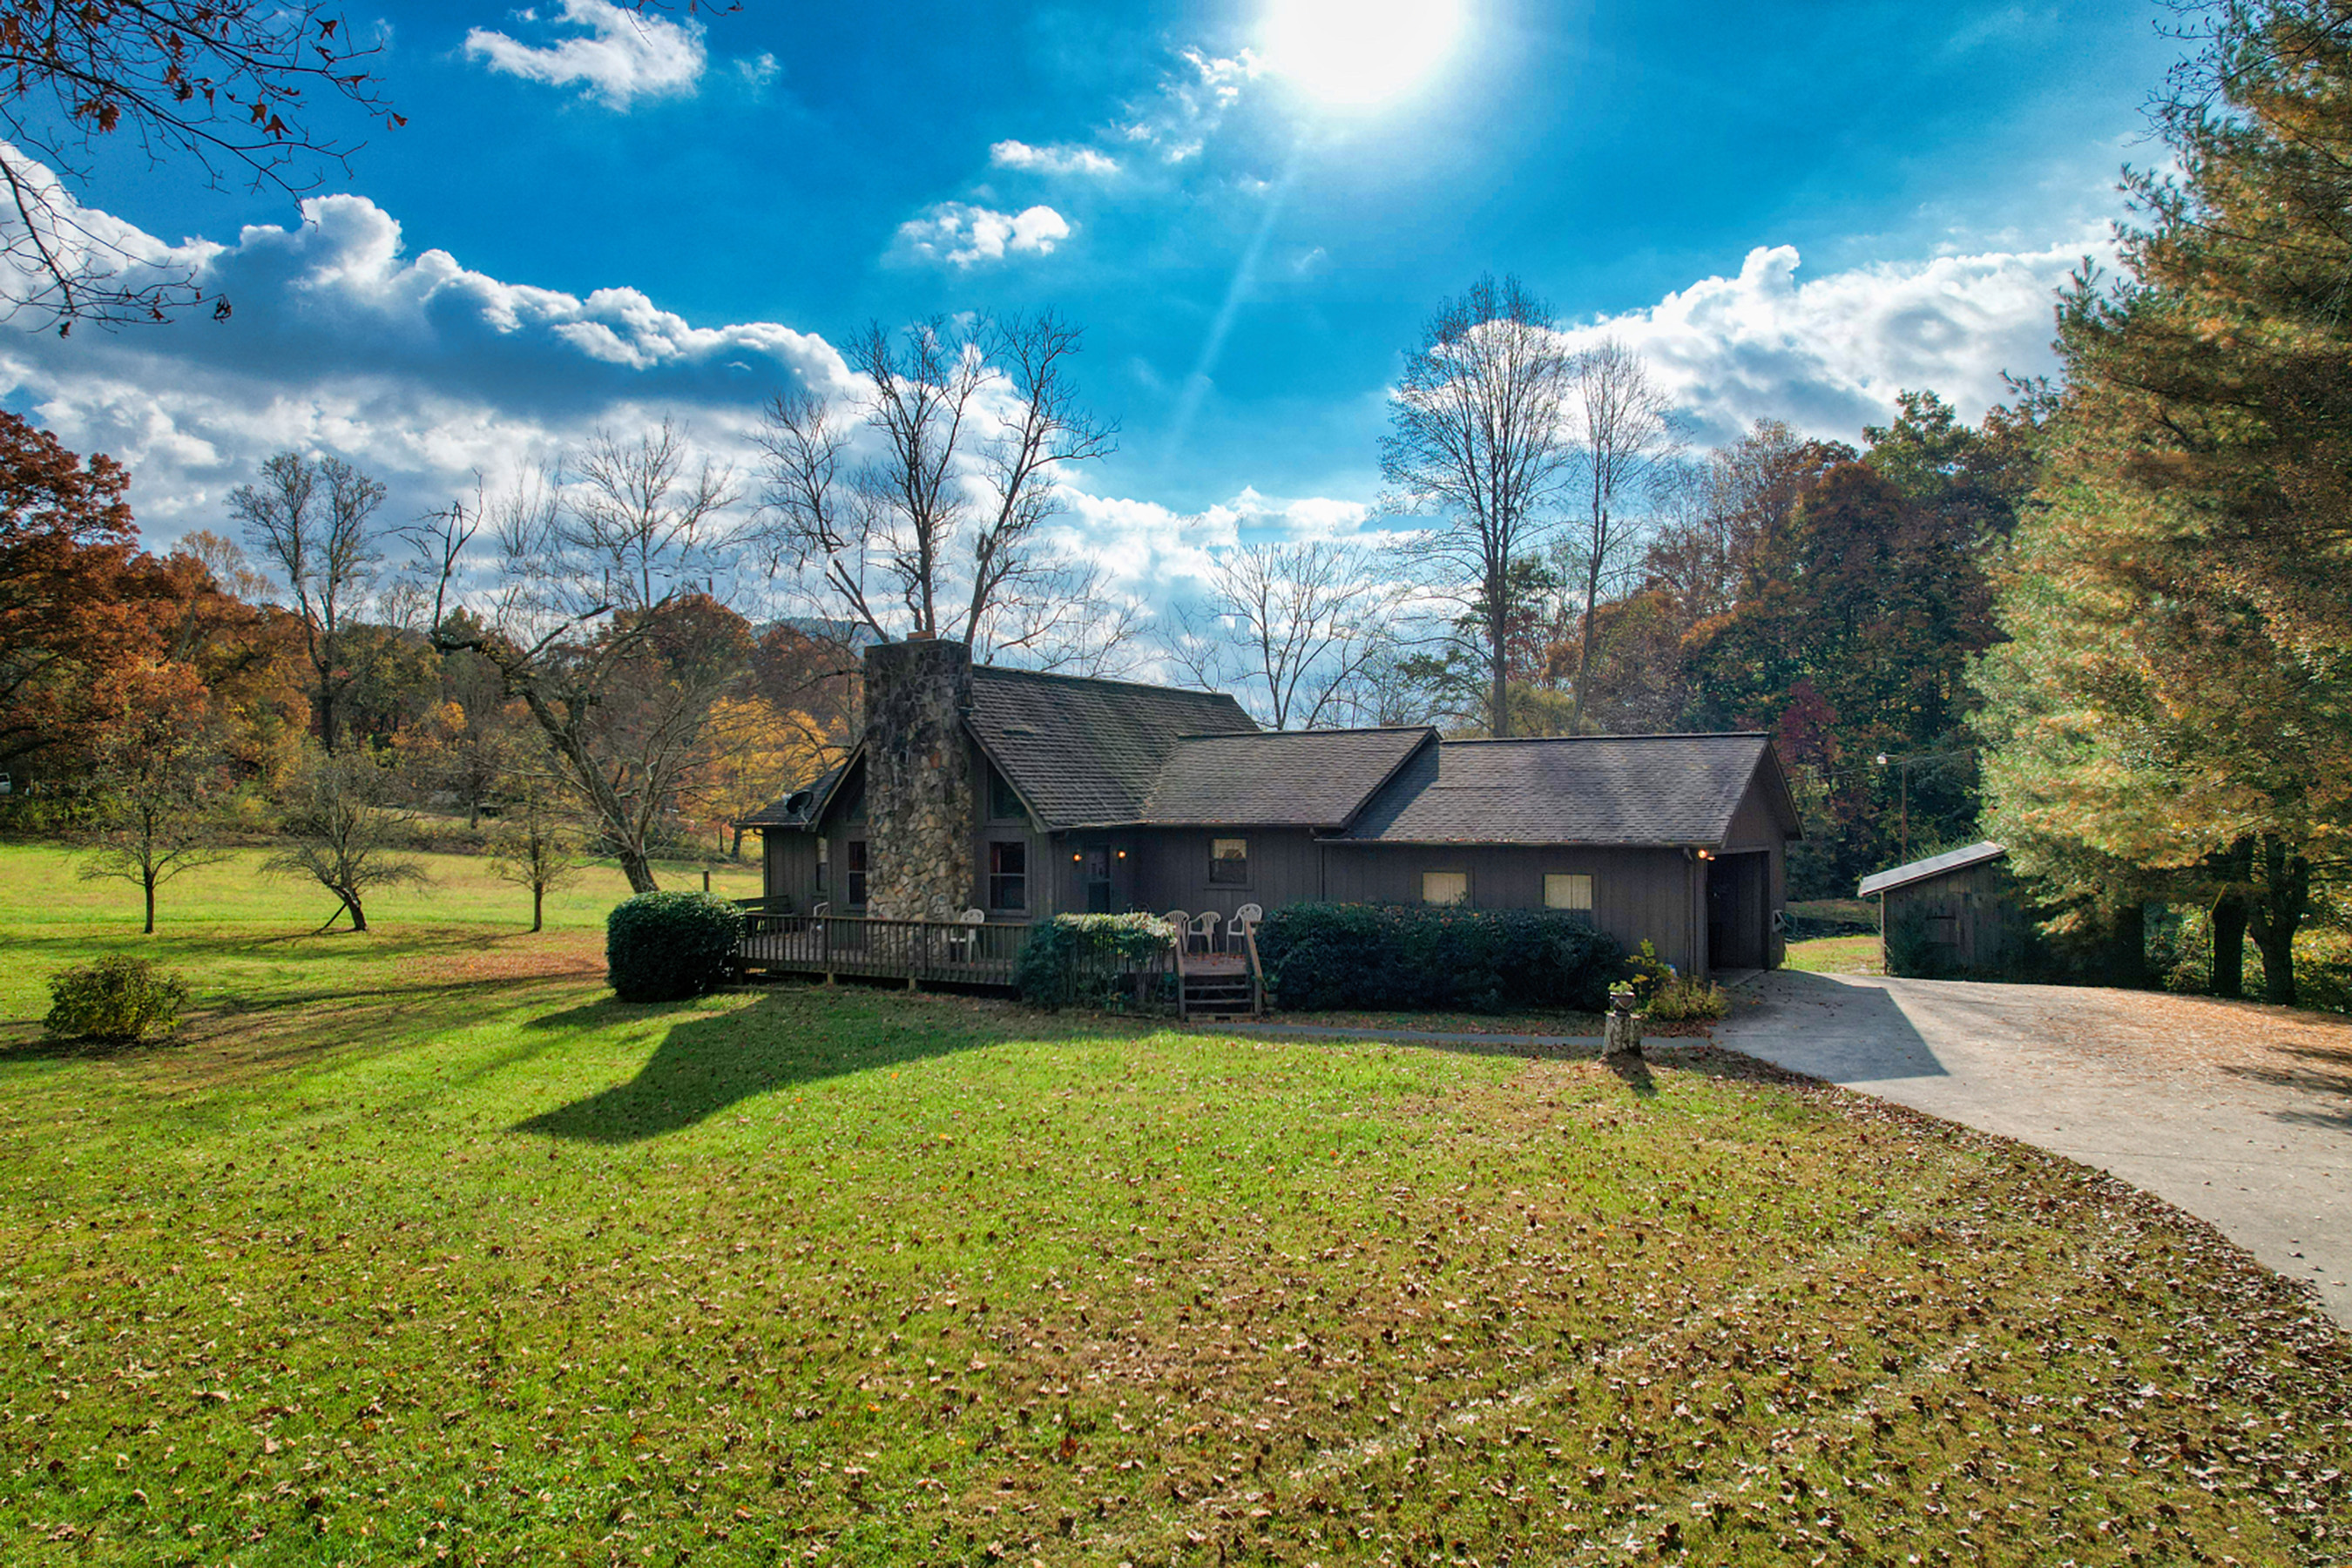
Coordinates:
(1247, 916)
(960, 942)
(1204, 926)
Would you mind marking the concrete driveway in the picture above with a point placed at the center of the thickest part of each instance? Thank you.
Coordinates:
(2239, 1113)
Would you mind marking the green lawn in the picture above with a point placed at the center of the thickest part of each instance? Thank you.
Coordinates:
(418, 1247)
(1838, 955)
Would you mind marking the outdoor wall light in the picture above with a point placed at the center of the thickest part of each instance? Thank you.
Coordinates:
(1122, 854)
(1075, 858)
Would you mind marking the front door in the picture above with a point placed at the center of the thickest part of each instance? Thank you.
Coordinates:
(1098, 894)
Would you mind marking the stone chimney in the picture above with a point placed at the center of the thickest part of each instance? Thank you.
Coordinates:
(919, 791)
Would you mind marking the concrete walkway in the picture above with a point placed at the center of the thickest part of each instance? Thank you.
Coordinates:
(2238, 1114)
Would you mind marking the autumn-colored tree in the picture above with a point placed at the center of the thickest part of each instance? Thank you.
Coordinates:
(757, 753)
(154, 783)
(1863, 613)
(2175, 699)
(74, 611)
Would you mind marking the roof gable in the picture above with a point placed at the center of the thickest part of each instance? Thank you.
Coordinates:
(1584, 789)
(1282, 778)
(1082, 751)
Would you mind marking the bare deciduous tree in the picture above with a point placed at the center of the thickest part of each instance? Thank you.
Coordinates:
(343, 829)
(1478, 433)
(536, 848)
(1623, 429)
(1301, 628)
(598, 612)
(310, 520)
(936, 535)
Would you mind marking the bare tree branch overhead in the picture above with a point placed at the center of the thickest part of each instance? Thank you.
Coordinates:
(229, 89)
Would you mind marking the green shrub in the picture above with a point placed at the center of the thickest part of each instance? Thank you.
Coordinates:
(659, 947)
(1385, 955)
(1912, 947)
(1085, 960)
(114, 999)
(1683, 999)
(1648, 973)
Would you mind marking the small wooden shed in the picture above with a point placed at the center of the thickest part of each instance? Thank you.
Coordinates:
(1966, 898)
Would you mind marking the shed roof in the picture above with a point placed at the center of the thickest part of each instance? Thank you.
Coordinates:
(1933, 866)
(1286, 778)
(1579, 789)
(1082, 751)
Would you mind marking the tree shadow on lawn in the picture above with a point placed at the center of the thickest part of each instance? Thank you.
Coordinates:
(708, 1062)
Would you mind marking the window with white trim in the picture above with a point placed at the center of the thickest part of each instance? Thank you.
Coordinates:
(1445, 886)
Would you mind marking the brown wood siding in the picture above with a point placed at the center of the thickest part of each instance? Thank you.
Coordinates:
(1973, 910)
(1637, 894)
(1285, 867)
(788, 867)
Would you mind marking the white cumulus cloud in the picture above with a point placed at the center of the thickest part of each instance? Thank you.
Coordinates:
(960, 235)
(1828, 354)
(1062, 159)
(415, 367)
(624, 54)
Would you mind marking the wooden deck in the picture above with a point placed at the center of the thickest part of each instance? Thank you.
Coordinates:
(939, 951)
(946, 953)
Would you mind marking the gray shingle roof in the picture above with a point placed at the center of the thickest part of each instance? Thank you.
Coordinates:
(1083, 752)
(1933, 866)
(1584, 789)
(798, 807)
(1298, 778)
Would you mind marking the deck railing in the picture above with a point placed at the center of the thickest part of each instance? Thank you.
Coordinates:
(944, 950)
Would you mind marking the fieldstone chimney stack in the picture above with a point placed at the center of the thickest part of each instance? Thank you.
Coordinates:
(920, 791)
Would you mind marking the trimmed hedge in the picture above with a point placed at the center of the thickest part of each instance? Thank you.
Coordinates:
(1081, 961)
(114, 999)
(1405, 956)
(660, 947)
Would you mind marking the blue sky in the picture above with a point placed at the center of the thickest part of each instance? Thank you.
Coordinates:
(1795, 209)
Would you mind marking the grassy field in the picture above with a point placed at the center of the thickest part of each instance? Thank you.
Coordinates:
(1838, 955)
(417, 1246)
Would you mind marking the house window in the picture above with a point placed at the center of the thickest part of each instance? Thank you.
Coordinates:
(1568, 890)
(855, 854)
(1445, 886)
(824, 863)
(1003, 805)
(1008, 876)
(1229, 861)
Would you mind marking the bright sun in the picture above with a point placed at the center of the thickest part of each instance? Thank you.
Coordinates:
(1358, 52)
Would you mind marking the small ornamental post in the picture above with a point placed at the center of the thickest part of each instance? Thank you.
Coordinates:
(1623, 1034)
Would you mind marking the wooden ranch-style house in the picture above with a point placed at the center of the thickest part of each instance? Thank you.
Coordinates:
(1021, 795)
